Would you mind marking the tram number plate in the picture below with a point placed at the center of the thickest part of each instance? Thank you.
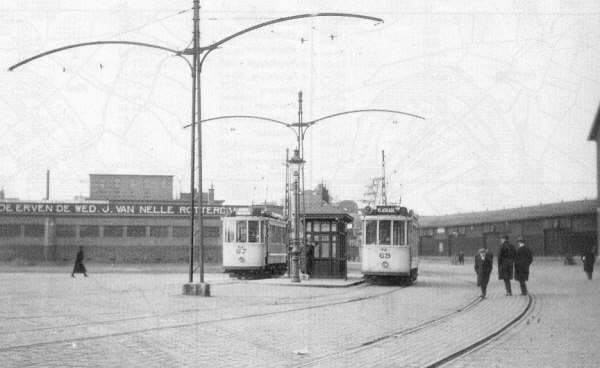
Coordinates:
(384, 253)
(241, 249)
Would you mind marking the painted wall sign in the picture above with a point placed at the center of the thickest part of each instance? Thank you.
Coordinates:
(110, 209)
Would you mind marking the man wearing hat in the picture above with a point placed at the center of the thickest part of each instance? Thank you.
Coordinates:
(483, 267)
(522, 261)
(506, 262)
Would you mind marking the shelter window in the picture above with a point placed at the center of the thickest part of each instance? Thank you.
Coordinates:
(325, 227)
(370, 232)
(241, 232)
(399, 230)
(385, 232)
(334, 226)
(308, 226)
(253, 232)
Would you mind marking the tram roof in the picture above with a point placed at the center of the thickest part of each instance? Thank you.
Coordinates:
(587, 206)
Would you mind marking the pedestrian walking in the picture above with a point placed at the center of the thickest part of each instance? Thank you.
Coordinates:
(523, 260)
(79, 267)
(461, 257)
(483, 267)
(506, 263)
(589, 258)
(309, 258)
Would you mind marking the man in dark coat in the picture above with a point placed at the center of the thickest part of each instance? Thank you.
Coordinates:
(79, 267)
(483, 267)
(589, 258)
(523, 260)
(309, 258)
(506, 262)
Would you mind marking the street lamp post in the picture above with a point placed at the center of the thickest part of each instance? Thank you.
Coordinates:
(297, 161)
(199, 54)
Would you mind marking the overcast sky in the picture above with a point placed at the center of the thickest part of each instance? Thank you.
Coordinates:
(509, 90)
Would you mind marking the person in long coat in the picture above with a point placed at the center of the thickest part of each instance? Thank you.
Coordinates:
(483, 267)
(506, 262)
(309, 258)
(589, 258)
(522, 262)
(79, 267)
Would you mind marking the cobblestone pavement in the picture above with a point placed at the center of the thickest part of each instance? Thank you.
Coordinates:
(142, 320)
(561, 330)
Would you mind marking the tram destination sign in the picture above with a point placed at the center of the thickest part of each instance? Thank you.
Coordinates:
(110, 209)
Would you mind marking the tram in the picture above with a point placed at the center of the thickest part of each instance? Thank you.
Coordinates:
(254, 244)
(390, 244)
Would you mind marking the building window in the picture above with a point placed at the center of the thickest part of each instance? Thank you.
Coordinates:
(89, 231)
(136, 231)
(65, 231)
(159, 231)
(36, 231)
(113, 231)
(10, 231)
(211, 231)
(181, 231)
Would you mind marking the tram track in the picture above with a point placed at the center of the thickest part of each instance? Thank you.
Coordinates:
(485, 340)
(177, 325)
(365, 346)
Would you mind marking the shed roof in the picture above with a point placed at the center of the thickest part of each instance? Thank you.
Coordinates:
(315, 206)
(587, 206)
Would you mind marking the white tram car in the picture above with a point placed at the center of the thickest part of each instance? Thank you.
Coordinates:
(390, 243)
(254, 244)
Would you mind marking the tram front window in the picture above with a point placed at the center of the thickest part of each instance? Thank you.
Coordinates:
(241, 232)
(398, 232)
(385, 232)
(253, 232)
(370, 232)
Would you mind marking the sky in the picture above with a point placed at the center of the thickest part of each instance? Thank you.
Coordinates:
(508, 89)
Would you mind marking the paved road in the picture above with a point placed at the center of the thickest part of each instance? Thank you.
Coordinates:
(142, 320)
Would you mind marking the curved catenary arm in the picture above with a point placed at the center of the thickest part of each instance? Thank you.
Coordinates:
(364, 110)
(90, 44)
(248, 117)
(285, 19)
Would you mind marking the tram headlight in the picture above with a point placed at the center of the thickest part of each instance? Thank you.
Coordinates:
(241, 259)
(384, 264)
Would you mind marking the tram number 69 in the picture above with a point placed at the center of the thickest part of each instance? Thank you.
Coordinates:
(384, 255)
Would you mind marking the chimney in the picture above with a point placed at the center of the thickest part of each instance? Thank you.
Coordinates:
(211, 194)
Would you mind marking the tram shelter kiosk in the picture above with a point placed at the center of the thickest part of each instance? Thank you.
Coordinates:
(326, 228)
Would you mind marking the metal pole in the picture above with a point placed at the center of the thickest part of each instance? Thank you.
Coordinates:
(200, 224)
(193, 140)
(295, 269)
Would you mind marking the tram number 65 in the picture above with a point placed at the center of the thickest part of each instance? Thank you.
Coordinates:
(385, 255)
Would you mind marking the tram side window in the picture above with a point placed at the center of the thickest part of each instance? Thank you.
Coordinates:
(229, 232)
(241, 232)
(371, 232)
(398, 232)
(385, 232)
(253, 232)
